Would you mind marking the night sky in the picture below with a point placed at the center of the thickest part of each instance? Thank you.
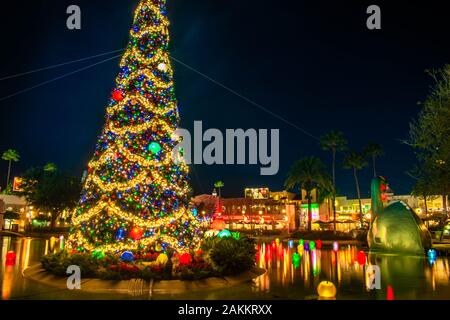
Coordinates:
(312, 62)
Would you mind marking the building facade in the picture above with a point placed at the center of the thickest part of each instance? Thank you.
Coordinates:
(27, 216)
(263, 209)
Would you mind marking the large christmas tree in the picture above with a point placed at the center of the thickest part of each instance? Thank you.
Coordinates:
(136, 197)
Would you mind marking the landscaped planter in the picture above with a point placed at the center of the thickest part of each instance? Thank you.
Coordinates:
(139, 286)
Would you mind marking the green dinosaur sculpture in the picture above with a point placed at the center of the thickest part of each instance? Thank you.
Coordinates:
(395, 227)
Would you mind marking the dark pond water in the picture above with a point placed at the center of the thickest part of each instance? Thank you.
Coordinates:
(406, 277)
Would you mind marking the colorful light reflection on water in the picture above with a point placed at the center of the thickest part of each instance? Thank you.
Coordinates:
(292, 273)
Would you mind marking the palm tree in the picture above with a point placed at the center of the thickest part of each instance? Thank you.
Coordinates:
(326, 194)
(50, 167)
(373, 150)
(219, 185)
(308, 174)
(333, 141)
(10, 155)
(356, 161)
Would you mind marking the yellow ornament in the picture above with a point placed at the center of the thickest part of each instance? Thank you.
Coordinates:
(300, 248)
(326, 290)
(277, 241)
(162, 259)
(158, 247)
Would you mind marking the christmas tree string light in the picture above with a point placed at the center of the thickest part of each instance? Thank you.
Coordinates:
(136, 197)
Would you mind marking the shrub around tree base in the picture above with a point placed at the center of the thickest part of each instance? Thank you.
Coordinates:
(219, 257)
(230, 256)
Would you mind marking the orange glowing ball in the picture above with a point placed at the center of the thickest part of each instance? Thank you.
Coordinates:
(136, 233)
(326, 290)
(117, 95)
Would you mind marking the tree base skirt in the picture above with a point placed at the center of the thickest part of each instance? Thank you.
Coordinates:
(139, 287)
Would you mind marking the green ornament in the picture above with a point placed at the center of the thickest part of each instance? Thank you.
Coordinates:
(154, 147)
(98, 254)
(236, 235)
(224, 234)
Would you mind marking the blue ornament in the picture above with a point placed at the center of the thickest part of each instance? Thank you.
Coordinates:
(432, 255)
(127, 256)
(194, 212)
(120, 234)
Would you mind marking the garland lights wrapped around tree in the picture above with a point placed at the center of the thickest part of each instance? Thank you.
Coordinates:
(136, 197)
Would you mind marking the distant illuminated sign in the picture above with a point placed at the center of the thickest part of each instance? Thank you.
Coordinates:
(257, 193)
(17, 184)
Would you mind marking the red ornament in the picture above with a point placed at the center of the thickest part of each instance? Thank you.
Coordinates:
(10, 258)
(199, 252)
(136, 233)
(185, 259)
(361, 258)
(390, 293)
(117, 95)
(319, 244)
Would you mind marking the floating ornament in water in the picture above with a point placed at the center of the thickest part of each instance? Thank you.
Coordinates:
(306, 246)
(300, 248)
(277, 241)
(326, 290)
(301, 242)
(312, 245)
